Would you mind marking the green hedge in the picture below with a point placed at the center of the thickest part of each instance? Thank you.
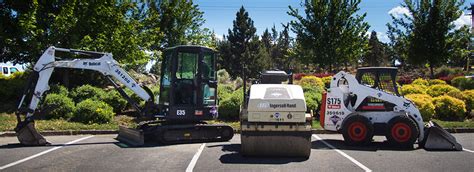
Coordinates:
(420, 81)
(439, 90)
(463, 83)
(436, 82)
(92, 111)
(313, 88)
(58, 106)
(449, 108)
(11, 90)
(84, 92)
(424, 103)
(413, 89)
(229, 107)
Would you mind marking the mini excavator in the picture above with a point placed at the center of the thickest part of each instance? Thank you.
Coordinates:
(188, 96)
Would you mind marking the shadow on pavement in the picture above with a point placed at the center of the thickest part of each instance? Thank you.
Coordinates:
(374, 146)
(18, 145)
(232, 156)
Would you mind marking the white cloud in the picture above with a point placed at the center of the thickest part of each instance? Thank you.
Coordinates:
(462, 21)
(399, 12)
(219, 37)
(383, 37)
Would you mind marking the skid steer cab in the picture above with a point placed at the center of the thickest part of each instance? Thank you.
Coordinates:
(188, 96)
(369, 104)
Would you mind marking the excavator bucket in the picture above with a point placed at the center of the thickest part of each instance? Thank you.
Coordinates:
(437, 138)
(130, 136)
(28, 135)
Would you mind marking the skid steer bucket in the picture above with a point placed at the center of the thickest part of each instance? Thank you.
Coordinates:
(28, 135)
(130, 136)
(437, 138)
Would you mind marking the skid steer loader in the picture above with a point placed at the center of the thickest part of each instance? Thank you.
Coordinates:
(273, 118)
(369, 104)
(188, 96)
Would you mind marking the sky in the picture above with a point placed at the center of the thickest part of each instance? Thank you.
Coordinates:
(219, 14)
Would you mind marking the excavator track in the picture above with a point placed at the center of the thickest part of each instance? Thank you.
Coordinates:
(165, 133)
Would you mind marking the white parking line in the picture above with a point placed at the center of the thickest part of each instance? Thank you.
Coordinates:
(42, 153)
(195, 158)
(467, 150)
(343, 154)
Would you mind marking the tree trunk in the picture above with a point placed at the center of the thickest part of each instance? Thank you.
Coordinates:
(431, 72)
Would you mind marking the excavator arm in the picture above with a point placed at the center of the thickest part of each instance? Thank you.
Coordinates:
(43, 69)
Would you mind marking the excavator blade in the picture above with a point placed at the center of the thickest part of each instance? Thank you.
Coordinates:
(28, 135)
(130, 136)
(437, 138)
(288, 145)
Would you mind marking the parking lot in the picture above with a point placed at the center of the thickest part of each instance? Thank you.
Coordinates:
(104, 153)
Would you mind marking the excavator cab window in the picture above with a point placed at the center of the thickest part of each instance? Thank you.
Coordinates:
(185, 78)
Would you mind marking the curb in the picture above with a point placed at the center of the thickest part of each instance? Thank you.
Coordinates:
(98, 132)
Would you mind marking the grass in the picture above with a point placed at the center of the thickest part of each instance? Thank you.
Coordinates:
(8, 123)
(455, 124)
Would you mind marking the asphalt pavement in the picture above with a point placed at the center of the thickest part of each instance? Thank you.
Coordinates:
(104, 153)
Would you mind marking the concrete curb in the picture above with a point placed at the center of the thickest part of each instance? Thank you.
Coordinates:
(97, 132)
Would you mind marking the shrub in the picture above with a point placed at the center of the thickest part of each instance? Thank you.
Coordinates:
(469, 99)
(312, 83)
(436, 82)
(457, 81)
(58, 89)
(223, 76)
(420, 81)
(11, 87)
(114, 99)
(439, 90)
(58, 106)
(463, 83)
(404, 80)
(327, 81)
(313, 100)
(223, 91)
(238, 82)
(92, 111)
(424, 103)
(229, 108)
(449, 108)
(413, 89)
(84, 92)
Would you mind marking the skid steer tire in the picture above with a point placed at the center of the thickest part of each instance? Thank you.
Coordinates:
(402, 132)
(357, 130)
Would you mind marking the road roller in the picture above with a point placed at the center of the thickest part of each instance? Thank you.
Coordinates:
(273, 118)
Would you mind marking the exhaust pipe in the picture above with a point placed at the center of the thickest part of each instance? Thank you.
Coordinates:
(437, 138)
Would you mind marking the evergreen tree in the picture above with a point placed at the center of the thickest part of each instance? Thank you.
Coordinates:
(375, 55)
(243, 49)
(331, 33)
(425, 34)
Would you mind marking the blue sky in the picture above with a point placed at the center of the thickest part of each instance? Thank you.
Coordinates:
(219, 14)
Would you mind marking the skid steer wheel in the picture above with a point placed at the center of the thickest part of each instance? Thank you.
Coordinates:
(357, 130)
(402, 132)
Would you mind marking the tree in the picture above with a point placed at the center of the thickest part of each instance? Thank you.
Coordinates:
(331, 33)
(375, 55)
(426, 32)
(243, 48)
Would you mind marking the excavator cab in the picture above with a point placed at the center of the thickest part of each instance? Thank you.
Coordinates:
(188, 96)
(188, 85)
